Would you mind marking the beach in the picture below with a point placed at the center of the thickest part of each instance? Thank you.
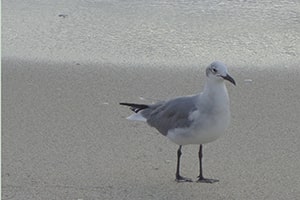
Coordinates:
(64, 135)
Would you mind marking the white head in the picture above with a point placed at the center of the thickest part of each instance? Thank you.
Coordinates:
(218, 71)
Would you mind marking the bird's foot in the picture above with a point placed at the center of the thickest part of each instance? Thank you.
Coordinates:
(206, 180)
(181, 179)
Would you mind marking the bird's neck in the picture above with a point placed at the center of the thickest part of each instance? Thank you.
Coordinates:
(216, 92)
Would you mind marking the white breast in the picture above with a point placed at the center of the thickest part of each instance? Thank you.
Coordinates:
(209, 124)
(211, 130)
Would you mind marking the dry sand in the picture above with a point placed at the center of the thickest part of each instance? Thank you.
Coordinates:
(260, 33)
(64, 136)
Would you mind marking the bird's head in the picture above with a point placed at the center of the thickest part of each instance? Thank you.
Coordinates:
(218, 71)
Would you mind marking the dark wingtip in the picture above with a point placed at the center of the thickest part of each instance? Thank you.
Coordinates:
(135, 107)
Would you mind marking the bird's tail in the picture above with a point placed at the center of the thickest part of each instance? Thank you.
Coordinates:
(135, 107)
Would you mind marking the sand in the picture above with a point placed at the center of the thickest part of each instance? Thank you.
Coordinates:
(64, 136)
(184, 33)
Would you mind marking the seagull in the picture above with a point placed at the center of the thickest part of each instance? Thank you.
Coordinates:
(194, 119)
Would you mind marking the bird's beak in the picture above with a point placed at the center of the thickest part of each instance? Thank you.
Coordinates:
(229, 78)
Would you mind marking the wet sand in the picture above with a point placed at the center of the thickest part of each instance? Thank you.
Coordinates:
(64, 136)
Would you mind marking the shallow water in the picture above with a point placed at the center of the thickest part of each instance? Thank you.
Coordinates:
(240, 33)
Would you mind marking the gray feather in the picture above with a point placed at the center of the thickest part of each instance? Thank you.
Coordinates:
(168, 115)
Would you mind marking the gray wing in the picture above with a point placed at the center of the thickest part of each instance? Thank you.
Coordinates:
(171, 114)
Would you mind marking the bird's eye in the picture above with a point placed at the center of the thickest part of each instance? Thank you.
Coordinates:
(214, 70)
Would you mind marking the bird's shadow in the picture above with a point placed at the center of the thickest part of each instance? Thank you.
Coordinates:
(202, 180)
(208, 180)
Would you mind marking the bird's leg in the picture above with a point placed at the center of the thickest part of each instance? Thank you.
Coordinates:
(200, 163)
(178, 177)
(200, 177)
